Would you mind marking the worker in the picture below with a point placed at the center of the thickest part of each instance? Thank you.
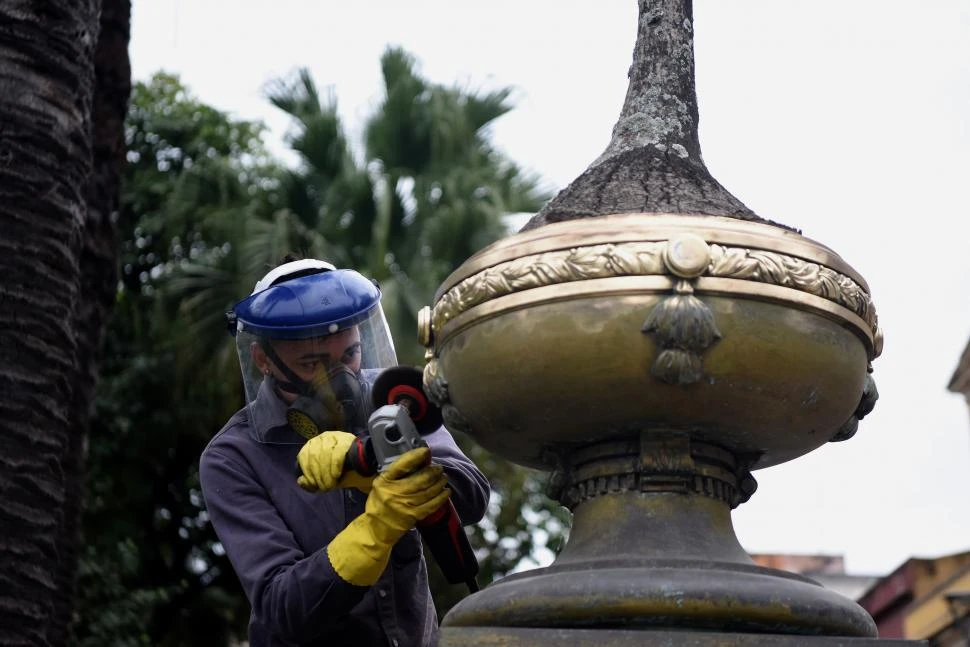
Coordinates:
(329, 557)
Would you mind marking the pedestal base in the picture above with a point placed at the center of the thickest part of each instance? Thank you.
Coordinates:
(659, 562)
(523, 637)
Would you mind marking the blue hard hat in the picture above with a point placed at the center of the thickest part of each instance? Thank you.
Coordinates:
(307, 306)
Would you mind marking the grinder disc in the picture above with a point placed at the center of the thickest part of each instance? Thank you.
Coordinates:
(404, 385)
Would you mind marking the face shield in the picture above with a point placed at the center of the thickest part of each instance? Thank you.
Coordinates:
(310, 348)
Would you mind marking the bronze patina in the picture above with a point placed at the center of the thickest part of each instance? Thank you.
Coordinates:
(652, 373)
(650, 341)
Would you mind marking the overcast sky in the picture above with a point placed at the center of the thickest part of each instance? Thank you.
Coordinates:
(848, 120)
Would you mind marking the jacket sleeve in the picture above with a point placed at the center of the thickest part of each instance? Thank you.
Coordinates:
(297, 595)
(469, 487)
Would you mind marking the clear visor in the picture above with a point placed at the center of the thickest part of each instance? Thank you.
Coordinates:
(297, 388)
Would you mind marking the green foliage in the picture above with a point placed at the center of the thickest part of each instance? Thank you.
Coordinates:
(109, 610)
(205, 213)
(422, 192)
(151, 568)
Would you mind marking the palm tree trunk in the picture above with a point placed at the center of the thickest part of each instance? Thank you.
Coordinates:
(99, 280)
(46, 88)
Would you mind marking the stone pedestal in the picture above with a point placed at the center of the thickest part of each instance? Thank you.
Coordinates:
(504, 637)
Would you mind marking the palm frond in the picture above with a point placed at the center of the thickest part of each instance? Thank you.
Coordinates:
(482, 109)
(296, 96)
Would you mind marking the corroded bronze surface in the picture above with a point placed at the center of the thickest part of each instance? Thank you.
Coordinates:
(652, 360)
(652, 363)
(657, 461)
(648, 245)
(653, 547)
(753, 338)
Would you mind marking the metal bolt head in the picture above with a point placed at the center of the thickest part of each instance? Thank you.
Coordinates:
(687, 255)
(425, 333)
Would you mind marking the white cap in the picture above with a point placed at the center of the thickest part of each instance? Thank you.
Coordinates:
(292, 267)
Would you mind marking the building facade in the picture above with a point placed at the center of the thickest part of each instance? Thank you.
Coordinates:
(924, 599)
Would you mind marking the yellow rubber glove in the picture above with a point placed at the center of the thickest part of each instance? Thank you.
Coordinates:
(404, 494)
(322, 462)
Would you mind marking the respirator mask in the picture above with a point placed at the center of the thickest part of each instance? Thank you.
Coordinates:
(336, 399)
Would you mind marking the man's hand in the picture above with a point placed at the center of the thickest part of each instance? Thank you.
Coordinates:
(407, 492)
(322, 462)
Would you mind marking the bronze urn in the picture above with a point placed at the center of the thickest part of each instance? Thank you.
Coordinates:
(650, 341)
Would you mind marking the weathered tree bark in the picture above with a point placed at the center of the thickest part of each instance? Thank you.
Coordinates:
(49, 314)
(653, 163)
(99, 281)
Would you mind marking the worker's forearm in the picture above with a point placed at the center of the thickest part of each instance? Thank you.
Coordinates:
(307, 598)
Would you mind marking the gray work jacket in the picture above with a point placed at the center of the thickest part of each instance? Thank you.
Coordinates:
(275, 535)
